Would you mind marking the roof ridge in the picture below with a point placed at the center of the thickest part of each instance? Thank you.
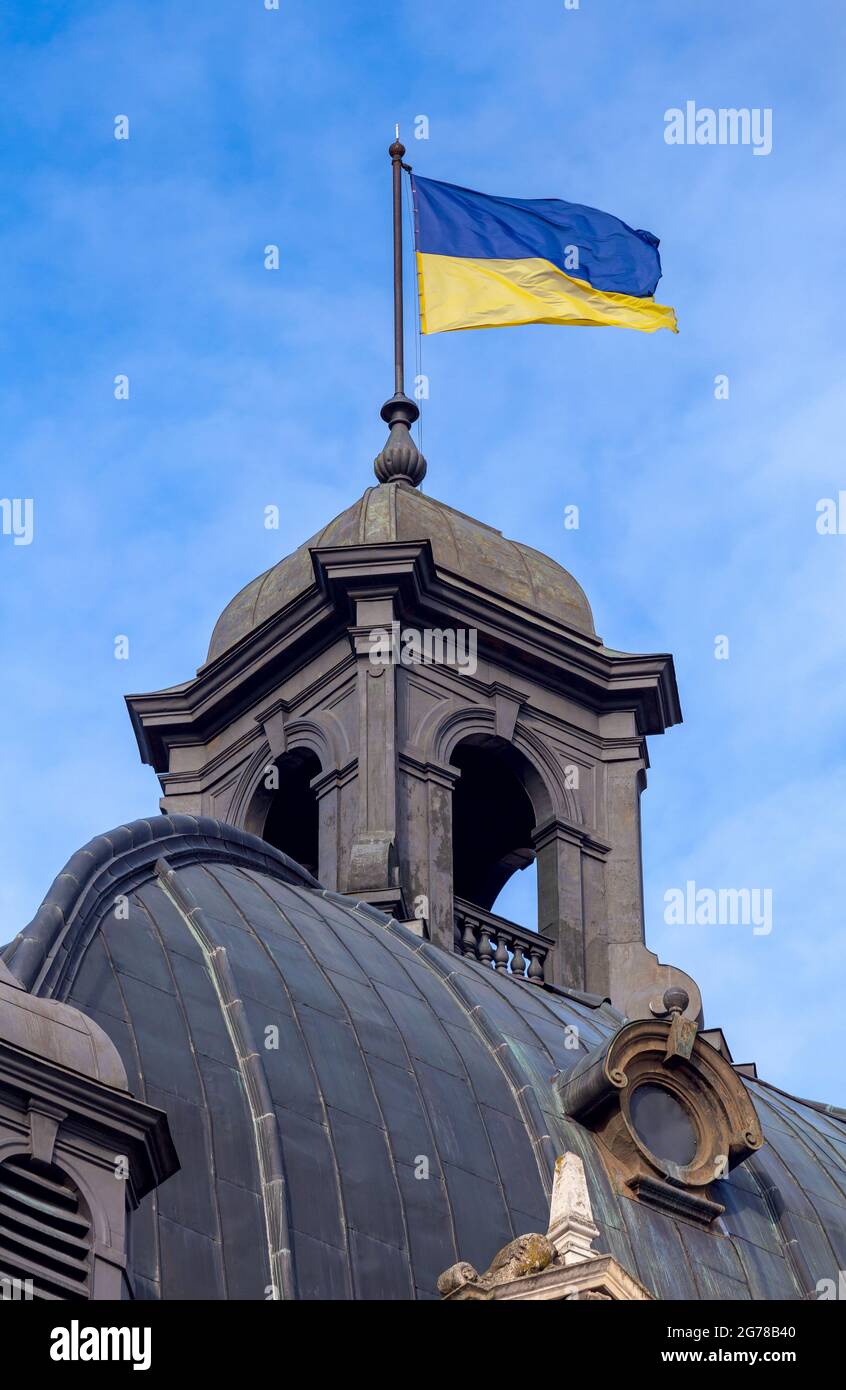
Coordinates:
(40, 952)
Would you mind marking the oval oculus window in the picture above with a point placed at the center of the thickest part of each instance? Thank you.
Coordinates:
(663, 1125)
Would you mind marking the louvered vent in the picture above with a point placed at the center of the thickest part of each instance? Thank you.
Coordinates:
(44, 1234)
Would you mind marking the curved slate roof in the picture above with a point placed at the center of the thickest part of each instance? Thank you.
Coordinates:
(310, 1053)
(461, 546)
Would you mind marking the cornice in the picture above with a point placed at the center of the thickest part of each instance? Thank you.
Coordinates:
(564, 660)
(427, 770)
(559, 829)
(93, 1108)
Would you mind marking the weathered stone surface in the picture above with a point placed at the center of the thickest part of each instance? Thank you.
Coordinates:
(527, 1254)
(572, 1228)
(455, 1276)
(56, 1031)
(557, 1267)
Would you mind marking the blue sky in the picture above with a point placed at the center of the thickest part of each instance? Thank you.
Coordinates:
(249, 388)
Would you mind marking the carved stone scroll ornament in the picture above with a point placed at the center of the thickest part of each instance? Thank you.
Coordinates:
(671, 1114)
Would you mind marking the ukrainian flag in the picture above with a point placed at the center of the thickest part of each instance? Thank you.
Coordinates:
(486, 262)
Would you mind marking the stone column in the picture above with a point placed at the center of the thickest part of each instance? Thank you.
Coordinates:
(625, 777)
(560, 902)
(326, 788)
(426, 848)
(597, 971)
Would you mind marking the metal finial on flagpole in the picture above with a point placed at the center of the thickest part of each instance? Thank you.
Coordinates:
(400, 459)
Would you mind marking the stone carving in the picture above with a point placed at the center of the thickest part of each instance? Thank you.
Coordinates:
(553, 1267)
(526, 1255)
(571, 1225)
(455, 1276)
(695, 1089)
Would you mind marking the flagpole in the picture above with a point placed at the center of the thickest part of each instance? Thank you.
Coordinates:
(400, 460)
(396, 151)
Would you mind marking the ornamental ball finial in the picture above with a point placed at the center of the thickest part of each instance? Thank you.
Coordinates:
(676, 1000)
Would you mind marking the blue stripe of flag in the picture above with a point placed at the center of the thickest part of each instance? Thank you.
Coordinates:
(453, 221)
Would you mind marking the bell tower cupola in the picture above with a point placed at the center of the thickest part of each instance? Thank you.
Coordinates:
(416, 708)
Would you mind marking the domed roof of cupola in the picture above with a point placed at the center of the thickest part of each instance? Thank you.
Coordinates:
(463, 549)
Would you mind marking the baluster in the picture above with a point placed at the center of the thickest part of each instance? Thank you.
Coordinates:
(470, 938)
(518, 960)
(485, 948)
(538, 955)
(501, 957)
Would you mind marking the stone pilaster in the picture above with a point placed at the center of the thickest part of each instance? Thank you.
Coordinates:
(373, 867)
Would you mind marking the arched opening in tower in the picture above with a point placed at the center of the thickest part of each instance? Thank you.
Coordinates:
(492, 823)
(292, 820)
